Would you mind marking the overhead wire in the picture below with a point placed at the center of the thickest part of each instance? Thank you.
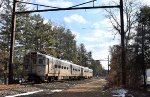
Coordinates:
(57, 7)
(83, 3)
(37, 4)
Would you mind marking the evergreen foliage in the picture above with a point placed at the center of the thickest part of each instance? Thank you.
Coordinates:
(34, 34)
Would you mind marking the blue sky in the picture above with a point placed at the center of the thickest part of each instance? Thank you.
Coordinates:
(91, 27)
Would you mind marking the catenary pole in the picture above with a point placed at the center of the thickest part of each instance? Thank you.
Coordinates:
(123, 79)
(12, 41)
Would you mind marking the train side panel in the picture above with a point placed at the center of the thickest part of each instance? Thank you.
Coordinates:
(48, 68)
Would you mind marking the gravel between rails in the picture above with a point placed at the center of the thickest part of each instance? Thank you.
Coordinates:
(6, 90)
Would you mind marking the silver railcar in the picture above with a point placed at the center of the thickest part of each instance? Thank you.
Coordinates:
(42, 67)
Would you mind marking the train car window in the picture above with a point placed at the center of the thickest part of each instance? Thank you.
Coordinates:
(34, 53)
(64, 67)
(39, 55)
(34, 61)
(56, 66)
(59, 66)
(40, 61)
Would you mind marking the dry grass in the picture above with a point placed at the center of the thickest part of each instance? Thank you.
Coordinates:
(11, 86)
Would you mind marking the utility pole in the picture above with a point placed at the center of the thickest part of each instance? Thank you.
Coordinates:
(107, 59)
(11, 53)
(123, 80)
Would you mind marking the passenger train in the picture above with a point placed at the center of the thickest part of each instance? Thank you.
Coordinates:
(40, 67)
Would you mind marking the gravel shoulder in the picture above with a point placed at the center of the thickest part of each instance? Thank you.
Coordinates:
(47, 88)
(95, 87)
(91, 89)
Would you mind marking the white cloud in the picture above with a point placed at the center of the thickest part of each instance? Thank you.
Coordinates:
(55, 3)
(99, 33)
(75, 18)
(146, 2)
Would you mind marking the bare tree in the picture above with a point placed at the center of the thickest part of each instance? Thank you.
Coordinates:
(131, 8)
(130, 11)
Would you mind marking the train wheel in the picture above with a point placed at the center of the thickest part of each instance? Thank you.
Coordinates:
(55, 78)
(50, 79)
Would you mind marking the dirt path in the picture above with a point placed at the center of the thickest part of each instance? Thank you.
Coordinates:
(91, 89)
(87, 88)
(92, 86)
